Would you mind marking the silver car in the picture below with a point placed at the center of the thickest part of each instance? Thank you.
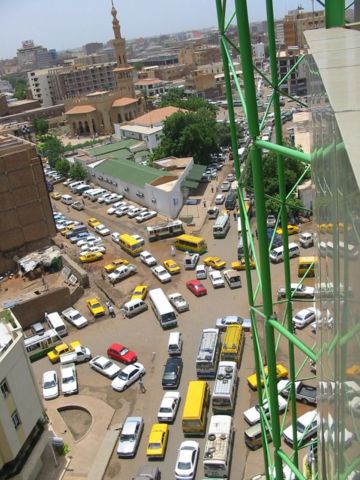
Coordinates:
(130, 437)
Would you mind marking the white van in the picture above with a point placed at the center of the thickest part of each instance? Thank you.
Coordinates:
(277, 254)
(67, 199)
(93, 196)
(56, 323)
(134, 307)
(175, 343)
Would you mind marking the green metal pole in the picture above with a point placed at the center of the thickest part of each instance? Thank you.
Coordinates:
(334, 13)
(284, 216)
(284, 151)
(256, 161)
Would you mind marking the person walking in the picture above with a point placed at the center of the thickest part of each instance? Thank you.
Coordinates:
(256, 234)
(235, 216)
(204, 204)
(212, 188)
(142, 386)
(112, 311)
(172, 251)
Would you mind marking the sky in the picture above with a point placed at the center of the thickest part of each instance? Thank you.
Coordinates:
(63, 24)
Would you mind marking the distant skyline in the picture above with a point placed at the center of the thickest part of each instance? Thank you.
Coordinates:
(66, 24)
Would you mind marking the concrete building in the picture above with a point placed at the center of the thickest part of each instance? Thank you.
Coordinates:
(25, 209)
(296, 22)
(22, 416)
(150, 135)
(279, 33)
(259, 51)
(296, 83)
(41, 87)
(152, 87)
(32, 56)
(167, 73)
(199, 55)
(92, 47)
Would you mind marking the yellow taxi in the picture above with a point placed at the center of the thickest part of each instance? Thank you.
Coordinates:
(90, 257)
(139, 292)
(67, 229)
(110, 267)
(292, 229)
(158, 438)
(353, 371)
(92, 222)
(55, 195)
(54, 355)
(240, 264)
(281, 372)
(215, 262)
(95, 307)
(171, 266)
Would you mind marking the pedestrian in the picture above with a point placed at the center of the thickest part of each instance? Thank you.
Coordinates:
(103, 275)
(112, 311)
(172, 251)
(83, 201)
(212, 189)
(235, 216)
(256, 234)
(68, 209)
(142, 386)
(204, 204)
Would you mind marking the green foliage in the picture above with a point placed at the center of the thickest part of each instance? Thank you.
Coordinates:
(223, 133)
(62, 166)
(294, 206)
(40, 126)
(189, 134)
(56, 264)
(176, 98)
(77, 171)
(52, 148)
(138, 65)
(62, 451)
(19, 83)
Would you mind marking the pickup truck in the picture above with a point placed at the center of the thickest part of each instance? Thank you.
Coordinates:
(74, 317)
(68, 379)
(179, 302)
(304, 393)
(121, 273)
(297, 291)
(191, 260)
(80, 354)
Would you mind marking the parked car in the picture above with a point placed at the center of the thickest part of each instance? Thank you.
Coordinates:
(306, 239)
(281, 372)
(161, 274)
(179, 302)
(88, 257)
(118, 352)
(172, 372)
(138, 238)
(187, 460)
(130, 437)
(196, 287)
(252, 415)
(215, 262)
(223, 322)
(271, 221)
(102, 230)
(297, 291)
(201, 272)
(304, 392)
(169, 407)
(127, 376)
(148, 472)
(216, 279)
(68, 375)
(104, 366)
(144, 216)
(171, 266)
(139, 292)
(225, 186)
(74, 317)
(77, 205)
(219, 199)
(292, 229)
(95, 307)
(306, 427)
(115, 237)
(158, 439)
(303, 317)
(50, 385)
(147, 258)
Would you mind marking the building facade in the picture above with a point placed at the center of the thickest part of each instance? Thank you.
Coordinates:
(25, 209)
(296, 22)
(296, 82)
(32, 56)
(41, 87)
(22, 415)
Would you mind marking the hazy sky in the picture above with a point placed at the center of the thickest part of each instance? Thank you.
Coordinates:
(65, 24)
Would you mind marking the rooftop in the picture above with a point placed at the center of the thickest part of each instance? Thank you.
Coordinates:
(124, 101)
(111, 147)
(173, 162)
(9, 330)
(156, 117)
(148, 81)
(80, 109)
(98, 93)
(141, 129)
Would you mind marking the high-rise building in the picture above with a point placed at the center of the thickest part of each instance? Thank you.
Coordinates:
(296, 81)
(25, 209)
(295, 24)
(41, 87)
(22, 416)
(93, 47)
(32, 56)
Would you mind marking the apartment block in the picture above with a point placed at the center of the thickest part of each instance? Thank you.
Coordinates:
(41, 87)
(22, 416)
(295, 24)
(296, 82)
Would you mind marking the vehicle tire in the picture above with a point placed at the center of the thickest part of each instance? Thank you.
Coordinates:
(305, 401)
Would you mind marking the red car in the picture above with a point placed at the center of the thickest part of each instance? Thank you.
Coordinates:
(121, 353)
(196, 287)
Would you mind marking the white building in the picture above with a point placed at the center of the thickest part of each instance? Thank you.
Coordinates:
(151, 135)
(259, 51)
(152, 87)
(40, 85)
(22, 420)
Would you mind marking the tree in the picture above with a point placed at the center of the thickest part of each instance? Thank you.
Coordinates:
(20, 89)
(176, 98)
(77, 171)
(52, 148)
(62, 166)
(294, 206)
(224, 135)
(40, 126)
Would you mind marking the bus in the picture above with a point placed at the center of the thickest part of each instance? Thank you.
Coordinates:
(165, 230)
(130, 244)
(218, 447)
(162, 308)
(224, 393)
(221, 226)
(208, 354)
(196, 407)
(37, 346)
(233, 344)
(190, 243)
(307, 264)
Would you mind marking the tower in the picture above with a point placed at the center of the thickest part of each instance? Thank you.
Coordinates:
(123, 71)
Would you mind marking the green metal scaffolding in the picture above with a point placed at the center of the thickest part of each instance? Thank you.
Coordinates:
(261, 302)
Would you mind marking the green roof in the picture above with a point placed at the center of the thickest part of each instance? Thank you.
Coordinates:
(130, 172)
(196, 172)
(111, 147)
(190, 184)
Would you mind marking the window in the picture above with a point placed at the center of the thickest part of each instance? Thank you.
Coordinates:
(16, 419)
(4, 387)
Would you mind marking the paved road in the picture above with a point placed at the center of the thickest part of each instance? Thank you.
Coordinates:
(144, 335)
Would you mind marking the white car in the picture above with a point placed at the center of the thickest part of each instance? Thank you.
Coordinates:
(50, 385)
(201, 273)
(186, 461)
(161, 274)
(130, 437)
(93, 249)
(225, 186)
(303, 317)
(102, 230)
(168, 407)
(306, 427)
(147, 258)
(139, 239)
(179, 302)
(252, 415)
(133, 212)
(115, 237)
(74, 317)
(104, 366)
(297, 291)
(217, 279)
(103, 197)
(69, 383)
(113, 198)
(144, 216)
(219, 199)
(120, 212)
(128, 376)
(223, 322)
(86, 240)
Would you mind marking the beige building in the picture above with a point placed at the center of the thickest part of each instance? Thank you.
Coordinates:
(22, 417)
(295, 24)
(25, 210)
(199, 55)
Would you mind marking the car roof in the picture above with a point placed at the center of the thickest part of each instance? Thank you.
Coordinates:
(130, 424)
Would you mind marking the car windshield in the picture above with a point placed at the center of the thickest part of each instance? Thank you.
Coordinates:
(127, 438)
(165, 409)
(124, 351)
(154, 445)
(95, 305)
(105, 365)
(68, 379)
(184, 465)
(123, 376)
(169, 375)
(49, 384)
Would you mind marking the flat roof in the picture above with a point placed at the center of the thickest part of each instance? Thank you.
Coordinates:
(131, 172)
(111, 147)
(157, 116)
(141, 129)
